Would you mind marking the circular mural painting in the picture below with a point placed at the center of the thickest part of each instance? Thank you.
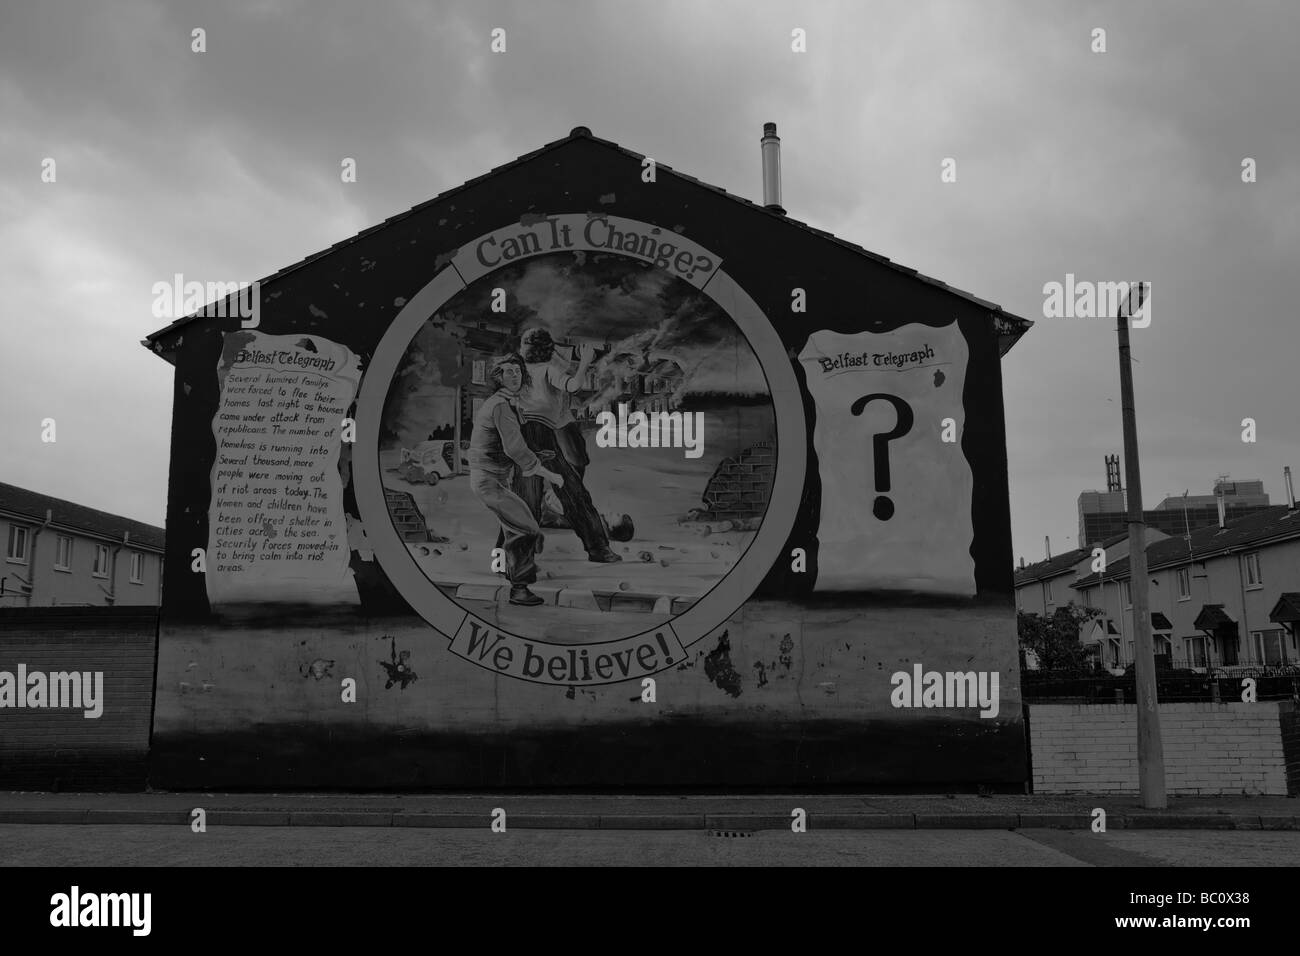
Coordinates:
(574, 469)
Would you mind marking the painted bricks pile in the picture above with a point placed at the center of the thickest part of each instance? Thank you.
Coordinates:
(740, 487)
(1209, 748)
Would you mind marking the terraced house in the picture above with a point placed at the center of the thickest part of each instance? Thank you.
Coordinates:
(61, 553)
(1225, 598)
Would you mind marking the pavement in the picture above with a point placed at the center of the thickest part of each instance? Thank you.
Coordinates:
(708, 812)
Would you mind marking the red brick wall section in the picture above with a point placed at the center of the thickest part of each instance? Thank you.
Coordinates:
(1226, 748)
(1289, 718)
(49, 749)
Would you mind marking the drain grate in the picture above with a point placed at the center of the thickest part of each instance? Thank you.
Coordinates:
(731, 834)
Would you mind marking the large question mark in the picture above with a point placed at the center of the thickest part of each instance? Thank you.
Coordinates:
(882, 507)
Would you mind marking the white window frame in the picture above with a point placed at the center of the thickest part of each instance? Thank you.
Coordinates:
(1184, 576)
(1162, 640)
(18, 534)
(1259, 645)
(100, 549)
(1254, 580)
(1203, 643)
(61, 564)
(137, 567)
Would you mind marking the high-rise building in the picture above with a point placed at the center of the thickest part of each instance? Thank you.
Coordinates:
(1104, 514)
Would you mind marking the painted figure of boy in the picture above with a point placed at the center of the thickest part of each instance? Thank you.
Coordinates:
(496, 451)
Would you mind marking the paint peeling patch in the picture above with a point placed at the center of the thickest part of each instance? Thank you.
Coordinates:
(787, 652)
(532, 219)
(186, 386)
(607, 199)
(938, 377)
(570, 692)
(399, 301)
(762, 673)
(319, 313)
(398, 667)
(719, 669)
(317, 669)
(357, 538)
(828, 686)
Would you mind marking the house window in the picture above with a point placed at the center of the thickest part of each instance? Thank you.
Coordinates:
(100, 568)
(63, 553)
(1196, 656)
(1268, 646)
(1114, 652)
(478, 372)
(137, 567)
(1253, 579)
(17, 544)
(1163, 645)
(1126, 589)
(1047, 592)
(1184, 584)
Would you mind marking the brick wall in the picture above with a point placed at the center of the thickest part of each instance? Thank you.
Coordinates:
(740, 487)
(1209, 748)
(49, 749)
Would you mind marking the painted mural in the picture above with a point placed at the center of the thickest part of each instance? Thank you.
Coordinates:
(581, 511)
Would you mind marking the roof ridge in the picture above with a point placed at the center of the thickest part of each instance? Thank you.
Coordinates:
(582, 132)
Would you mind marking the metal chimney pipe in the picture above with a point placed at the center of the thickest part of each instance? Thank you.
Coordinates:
(771, 146)
(1223, 509)
(1047, 546)
(1290, 489)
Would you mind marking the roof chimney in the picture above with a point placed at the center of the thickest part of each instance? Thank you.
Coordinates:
(1290, 489)
(1047, 545)
(771, 169)
(1223, 509)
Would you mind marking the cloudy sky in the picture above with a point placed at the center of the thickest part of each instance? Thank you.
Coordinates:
(1110, 166)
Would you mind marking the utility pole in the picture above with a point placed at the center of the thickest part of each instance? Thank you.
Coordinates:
(1151, 754)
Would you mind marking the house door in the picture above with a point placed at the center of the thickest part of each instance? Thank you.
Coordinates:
(1225, 641)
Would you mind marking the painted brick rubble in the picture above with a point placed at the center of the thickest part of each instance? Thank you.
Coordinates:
(740, 487)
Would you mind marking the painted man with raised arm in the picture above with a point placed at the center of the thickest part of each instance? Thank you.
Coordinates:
(549, 426)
